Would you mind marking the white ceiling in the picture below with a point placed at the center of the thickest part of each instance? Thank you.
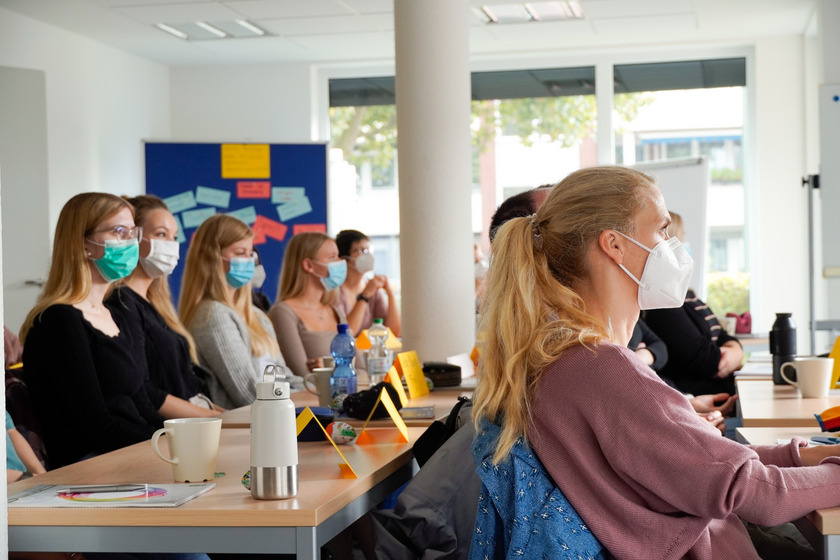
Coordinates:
(343, 30)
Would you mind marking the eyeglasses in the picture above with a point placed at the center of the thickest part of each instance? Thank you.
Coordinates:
(124, 233)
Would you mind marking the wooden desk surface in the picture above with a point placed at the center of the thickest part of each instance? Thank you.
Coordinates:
(764, 404)
(443, 401)
(322, 492)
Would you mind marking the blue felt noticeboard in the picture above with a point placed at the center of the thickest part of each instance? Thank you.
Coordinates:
(277, 189)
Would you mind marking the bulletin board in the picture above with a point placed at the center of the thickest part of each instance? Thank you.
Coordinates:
(277, 189)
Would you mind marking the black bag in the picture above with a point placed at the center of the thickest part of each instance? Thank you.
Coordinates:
(436, 435)
(358, 405)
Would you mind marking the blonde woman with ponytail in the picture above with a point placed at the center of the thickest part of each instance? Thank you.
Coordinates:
(559, 390)
(234, 340)
(85, 366)
(144, 298)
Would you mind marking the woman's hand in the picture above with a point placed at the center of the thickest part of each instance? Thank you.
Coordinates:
(812, 455)
(731, 355)
(313, 363)
(706, 403)
(715, 418)
(373, 286)
(644, 354)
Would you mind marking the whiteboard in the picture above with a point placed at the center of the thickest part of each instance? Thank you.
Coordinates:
(684, 183)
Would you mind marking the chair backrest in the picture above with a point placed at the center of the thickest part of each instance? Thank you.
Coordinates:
(19, 405)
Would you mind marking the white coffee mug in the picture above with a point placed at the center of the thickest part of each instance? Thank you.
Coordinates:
(813, 375)
(320, 379)
(193, 447)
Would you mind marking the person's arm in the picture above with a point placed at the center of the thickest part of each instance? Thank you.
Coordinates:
(356, 313)
(731, 358)
(287, 328)
(173, 407)
(224, 345)
(655, 345)
(392, 317)
(692, 354)
(25, 452)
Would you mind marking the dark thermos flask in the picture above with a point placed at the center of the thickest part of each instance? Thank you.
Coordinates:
(783, 346)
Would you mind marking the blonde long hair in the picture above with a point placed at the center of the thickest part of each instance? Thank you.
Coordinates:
(69, 279)
(204, 279)
(532, 312)
(159, 294)
(292, 276)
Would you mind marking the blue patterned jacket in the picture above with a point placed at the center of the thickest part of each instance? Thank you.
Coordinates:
(521, 512)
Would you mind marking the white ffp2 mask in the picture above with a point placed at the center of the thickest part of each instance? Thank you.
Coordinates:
(162, 258)
(666, 275)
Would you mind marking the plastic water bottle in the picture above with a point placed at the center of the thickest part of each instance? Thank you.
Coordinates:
(343, 380)
(377, 361)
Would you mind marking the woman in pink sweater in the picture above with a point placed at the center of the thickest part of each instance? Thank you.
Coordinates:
(649, 478)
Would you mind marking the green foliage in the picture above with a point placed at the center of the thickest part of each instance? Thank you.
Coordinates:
(728, 292)
(369, 134)
(726, 175)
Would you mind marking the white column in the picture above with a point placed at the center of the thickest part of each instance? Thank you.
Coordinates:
(433, 119)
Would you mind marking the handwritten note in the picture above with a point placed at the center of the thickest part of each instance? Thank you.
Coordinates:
(212, 197)
(247, 214)
(253, 189)
(300, 228)
(270, 228)
(180, 202)
(194, 218)
(282, 195)
(246, 161)
(294, 209)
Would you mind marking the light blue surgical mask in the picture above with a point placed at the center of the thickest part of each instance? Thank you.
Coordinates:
(240, 272)
(336, 274)
(119, 259)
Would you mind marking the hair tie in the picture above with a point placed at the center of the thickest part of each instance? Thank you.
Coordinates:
(535, 229)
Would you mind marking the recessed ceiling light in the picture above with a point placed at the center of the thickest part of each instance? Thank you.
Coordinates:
(214, 30)
(531, 11)
(172, 31)
(250, 27)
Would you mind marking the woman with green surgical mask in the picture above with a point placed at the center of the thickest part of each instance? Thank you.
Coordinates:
(234, 340)
(307, 314)
(85, 366)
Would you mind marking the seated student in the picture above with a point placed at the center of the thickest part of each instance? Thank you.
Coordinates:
(702, 356)
(86, 367)
(143, 299)
(234, 340)
(21, 461)
(361, 299)
(563, 296)
(305, 315)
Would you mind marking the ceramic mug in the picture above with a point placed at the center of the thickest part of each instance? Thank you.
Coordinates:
(320, 379)
(813, 375)
(193, 447)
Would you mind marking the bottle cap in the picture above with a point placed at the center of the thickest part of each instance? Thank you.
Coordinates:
(377, 321)
(342, 327)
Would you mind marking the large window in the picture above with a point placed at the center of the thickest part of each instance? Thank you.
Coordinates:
(532, 127)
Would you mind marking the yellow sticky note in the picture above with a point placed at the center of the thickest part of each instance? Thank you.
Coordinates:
(394, 378)
(412, 371)
(835, 353)
(305, 418)
(385, 399)
(246, 161)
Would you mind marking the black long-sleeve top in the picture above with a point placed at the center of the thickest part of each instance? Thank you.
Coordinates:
(167, 352)
(642, 333)
(91, 392)
(693, 336)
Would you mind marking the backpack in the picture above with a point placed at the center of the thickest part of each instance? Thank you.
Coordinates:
(436, 435)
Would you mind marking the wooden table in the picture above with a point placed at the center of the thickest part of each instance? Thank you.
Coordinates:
(761, 403)
(225, 519)
(821, 527)
(442, 400)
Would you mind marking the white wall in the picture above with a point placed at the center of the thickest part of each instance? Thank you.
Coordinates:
(100, 103)
(259, 103)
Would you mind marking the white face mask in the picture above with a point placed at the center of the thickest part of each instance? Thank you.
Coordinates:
(363, 263)
(666, 275)
(162, 258)
(259, 276)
